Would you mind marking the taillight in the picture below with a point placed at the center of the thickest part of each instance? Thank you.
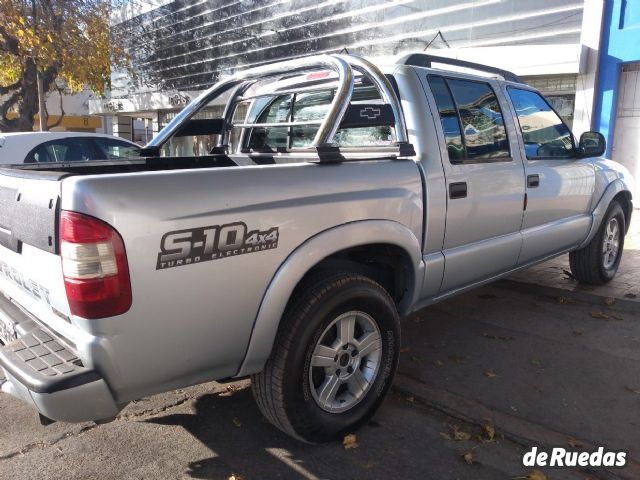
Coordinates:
(94, 265)
(318, 75)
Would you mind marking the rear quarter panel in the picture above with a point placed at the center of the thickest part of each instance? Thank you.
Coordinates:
(192, 323)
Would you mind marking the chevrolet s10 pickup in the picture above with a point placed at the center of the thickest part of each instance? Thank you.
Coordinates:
(281, 225)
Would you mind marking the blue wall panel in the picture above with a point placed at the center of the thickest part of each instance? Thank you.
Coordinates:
(620, 44)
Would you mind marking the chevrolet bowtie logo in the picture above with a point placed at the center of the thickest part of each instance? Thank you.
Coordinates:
(370, 113)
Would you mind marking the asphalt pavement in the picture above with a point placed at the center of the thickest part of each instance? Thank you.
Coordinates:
(483, 378)
(213, 431)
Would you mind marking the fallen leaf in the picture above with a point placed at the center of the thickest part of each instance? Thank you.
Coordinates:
(350, 441)
(535, 362)
(233, 476)
(457, 359)
(566, 301)
(445, 435)
(404, 349)
(536, 475)
(415, 359)
(236, 422)
(469, 457)
(489, 431)
(230, 389)
(460, 436)
(575, 443)
(490, 373)
(439, 363)
(599, 314)
(632, 390)
(578, 333)
(411, 398)
(617, 316)
(609, 301)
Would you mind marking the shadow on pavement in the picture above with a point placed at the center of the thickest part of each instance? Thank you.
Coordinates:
(402, 441)
(242, 441)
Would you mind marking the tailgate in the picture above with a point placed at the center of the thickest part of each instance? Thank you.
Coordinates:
(30, 267)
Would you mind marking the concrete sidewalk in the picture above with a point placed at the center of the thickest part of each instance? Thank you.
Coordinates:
(544, 360)
(626, 285)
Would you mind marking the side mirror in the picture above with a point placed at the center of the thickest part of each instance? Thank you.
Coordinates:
(592, 144)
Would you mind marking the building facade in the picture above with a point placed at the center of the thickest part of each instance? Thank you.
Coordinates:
(182, 47)
(69, 112)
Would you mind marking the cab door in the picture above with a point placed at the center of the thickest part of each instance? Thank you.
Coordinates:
(485, 183)
(559, 186)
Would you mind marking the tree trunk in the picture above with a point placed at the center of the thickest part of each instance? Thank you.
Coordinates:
(23, 99)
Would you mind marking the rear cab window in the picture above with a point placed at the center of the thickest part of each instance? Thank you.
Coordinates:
(309, 108)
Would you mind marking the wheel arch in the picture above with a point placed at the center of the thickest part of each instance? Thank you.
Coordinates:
(616, 190)
(624, 199)
(350, 245)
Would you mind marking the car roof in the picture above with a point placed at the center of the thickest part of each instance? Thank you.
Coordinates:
(46, 136)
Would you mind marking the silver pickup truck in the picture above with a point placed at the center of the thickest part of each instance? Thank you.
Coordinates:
(280, 226)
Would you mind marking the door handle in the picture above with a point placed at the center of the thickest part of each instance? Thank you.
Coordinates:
(458, 190)
(533, 180)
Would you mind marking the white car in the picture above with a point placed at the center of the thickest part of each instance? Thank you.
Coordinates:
(46, 147)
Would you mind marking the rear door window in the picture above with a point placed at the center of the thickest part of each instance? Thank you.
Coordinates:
(481, 118)
(471, 119)
(448, 118)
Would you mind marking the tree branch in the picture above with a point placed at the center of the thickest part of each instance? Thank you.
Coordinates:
(9, 88)
(8, 103)
(9, 43)
(62, 112)
(49, 75)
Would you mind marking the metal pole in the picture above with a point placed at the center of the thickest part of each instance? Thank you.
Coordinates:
(42, 107)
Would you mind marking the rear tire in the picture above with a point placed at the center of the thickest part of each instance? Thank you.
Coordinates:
(597, 263)
(333, 360)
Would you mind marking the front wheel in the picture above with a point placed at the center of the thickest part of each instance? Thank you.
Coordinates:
(334, 358)
(598, 262)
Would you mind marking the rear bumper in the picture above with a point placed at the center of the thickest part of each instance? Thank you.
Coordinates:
(40, 370)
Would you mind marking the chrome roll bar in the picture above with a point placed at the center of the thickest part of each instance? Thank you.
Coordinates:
(387, 92)
(241, 81)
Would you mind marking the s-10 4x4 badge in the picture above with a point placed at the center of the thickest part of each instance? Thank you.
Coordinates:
(202, 244)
